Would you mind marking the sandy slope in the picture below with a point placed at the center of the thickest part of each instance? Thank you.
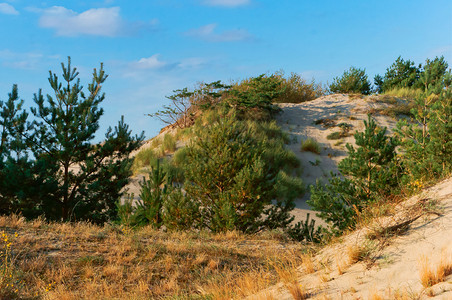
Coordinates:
(298, 120)
(396, 269)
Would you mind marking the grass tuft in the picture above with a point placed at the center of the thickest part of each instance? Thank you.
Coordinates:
(427, 274)
(310, 145)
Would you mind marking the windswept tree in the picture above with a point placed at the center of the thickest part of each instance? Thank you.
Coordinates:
(88, 178)
(182, 110)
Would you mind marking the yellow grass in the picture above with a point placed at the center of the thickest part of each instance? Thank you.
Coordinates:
(84, 261)
(428, 276)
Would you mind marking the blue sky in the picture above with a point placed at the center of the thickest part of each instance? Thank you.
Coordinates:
(151, 47)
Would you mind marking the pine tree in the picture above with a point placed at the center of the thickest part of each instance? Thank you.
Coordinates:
(88, 177)
(427, 143)
(372, 165)
(371, 171)
(233, 176)
(12, 150)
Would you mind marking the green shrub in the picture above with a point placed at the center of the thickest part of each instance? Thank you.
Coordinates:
(252, 98)
(352, 81)
(144, 158)
(169, 143)
(310, 145)
(180, 156)
(334, 136)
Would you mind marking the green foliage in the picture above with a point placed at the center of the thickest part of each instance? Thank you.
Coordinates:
(169, 143)
(310, 145)
(297, 89)
(152, 195)
(435, 75)
(352, 81)
(233, 175)
(402, 73)
(372, 165)
(253, 97)
(160, 203)
(14, 161)
(306, 231)
(180, 211)
(69, 178)
(371, 171)
(185, 104)
(337, 202)
(144, 158)
(427, 145)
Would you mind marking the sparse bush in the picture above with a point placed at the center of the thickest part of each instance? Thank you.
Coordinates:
(352, 81)
(297, 89)
(185, 104)
(306, 231)
(310, 145)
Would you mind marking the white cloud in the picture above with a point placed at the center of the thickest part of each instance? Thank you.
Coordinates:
(227, 3)
(8, 9)
(207, 33)
(96, 22)
(151, 62)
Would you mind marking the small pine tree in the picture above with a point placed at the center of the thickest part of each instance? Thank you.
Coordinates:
(371, 171)
(153, 194)
(232, 176)
(427, 143)
(372, 165)
(86, 179)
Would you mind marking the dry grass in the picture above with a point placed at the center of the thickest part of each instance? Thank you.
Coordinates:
(361, 252)
(428, 276)
(288, 274)
(308, 264)
(84, 261)
(406, 93)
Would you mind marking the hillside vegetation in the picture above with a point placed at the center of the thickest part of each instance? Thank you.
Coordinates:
(205, 210)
